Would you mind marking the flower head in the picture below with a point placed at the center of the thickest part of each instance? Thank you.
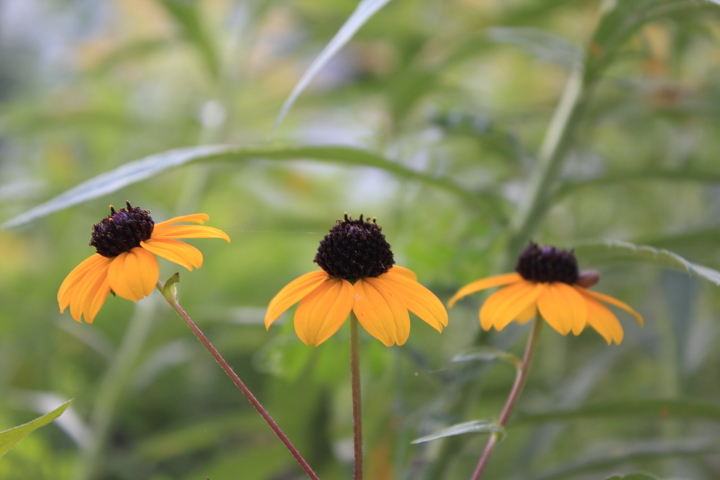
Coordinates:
(359, 275)
(548, 280)
(126, 243)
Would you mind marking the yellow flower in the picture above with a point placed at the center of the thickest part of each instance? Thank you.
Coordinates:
(126, 243)
(357, 275)
(547, 279)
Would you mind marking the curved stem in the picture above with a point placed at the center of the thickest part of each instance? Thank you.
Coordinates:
(356, 396)
(172, 300)
(520, 379)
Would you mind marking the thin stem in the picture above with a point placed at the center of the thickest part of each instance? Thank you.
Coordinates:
(356, 396)
(172, 300)
(520, 379)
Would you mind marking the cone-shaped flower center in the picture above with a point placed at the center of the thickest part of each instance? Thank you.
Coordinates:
(547, 265)
(122, 231)
(354, 249)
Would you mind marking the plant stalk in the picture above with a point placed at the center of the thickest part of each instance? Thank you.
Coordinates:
(356, 396)
(520, 379)
(172, 301)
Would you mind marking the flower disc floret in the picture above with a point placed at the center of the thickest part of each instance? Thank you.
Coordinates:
(355, 249)
(122, 231)
(547, 264)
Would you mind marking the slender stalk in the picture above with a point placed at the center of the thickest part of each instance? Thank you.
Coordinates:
(356, 396)
(172, 300)
(520, 379)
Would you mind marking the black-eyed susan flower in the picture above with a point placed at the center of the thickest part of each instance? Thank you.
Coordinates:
(125, 264)
(358, 274)
(547, 280)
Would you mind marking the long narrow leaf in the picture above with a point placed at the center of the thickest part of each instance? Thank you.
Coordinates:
(363, 12)
(613, 250)
(476, 426)
(148, 167)
(10, 438)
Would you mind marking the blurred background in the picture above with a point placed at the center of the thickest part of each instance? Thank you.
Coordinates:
(467, 96)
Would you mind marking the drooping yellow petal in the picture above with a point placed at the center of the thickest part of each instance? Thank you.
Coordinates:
(484, 283)
(405, 272)
(177, 252)
(563, 308)
(94, 301)
(400, 314)
(323, 311)
(373, 313)
(504, 306)
(416, 298)
(527, 314)
(604, 321)
(89, 285)
(194, 218)
(76, 276)
(611, 301)
(292, 293)
(134, 274)
(188, 231)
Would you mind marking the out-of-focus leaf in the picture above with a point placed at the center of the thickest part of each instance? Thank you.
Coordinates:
(634, 476)
(148, 167)
(486, 354)
(542, 44)
(617, 251)
(10, 438)
(364, 11)
(187, 15)
(658, 408)
(622, 454)
(476, 426)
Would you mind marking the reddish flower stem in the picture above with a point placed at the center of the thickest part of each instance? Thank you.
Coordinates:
(520, 379)
(172, 300)
(356, 396)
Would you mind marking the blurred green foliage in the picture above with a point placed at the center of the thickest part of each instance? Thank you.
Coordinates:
(466, 127)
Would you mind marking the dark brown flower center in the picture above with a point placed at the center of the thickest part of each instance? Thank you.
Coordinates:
(354, 249)
(547, 265)
(122, 231)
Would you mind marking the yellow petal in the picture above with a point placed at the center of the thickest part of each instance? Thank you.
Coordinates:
(323, 311)
(416, 298)
(504, 306)
(604, 321)
(611, 301)
(484, 283)
(76, 276)
(394, 300)
(292, 293)
(373, 313)
(194, 218)
(177, 252)
(94, 301)
(405, 272)
(134, 274)
(527, 314)
(563, 308)
(90, 284)
(188, 231)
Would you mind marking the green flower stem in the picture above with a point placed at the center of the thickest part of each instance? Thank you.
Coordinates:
(520, 379)
(113, 385)
(553, 151)
(169, 295)
(356, 396)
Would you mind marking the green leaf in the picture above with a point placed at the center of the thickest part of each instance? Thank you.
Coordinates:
(152, 165)
(486, 354)
(476, 426)
(10, 438)
(658, 408)
(187, 15)
(616, 251)
(364, 11)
